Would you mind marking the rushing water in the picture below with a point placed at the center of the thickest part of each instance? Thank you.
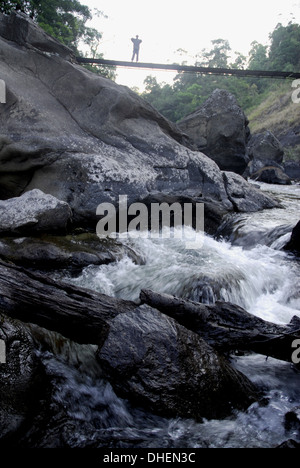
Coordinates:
(246, 268)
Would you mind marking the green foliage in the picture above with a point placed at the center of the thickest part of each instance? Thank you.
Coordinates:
(190, 90)
(66, 21)
(285, 46)
(63, 19)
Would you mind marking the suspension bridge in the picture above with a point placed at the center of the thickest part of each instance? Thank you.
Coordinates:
(192, 69)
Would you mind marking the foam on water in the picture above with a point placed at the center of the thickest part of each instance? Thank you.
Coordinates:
(256, 275)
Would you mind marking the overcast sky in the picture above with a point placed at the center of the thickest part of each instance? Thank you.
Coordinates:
(168, 25)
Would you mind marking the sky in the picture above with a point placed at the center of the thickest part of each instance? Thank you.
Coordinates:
(168, 25)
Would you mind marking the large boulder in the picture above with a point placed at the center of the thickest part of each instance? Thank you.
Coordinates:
(292, 169)
(266, 156)
(272, 175)
(83, 138)
(155, 362)
(73, 252)
(265, 147)
(34, 211)
(294, 243)
(244, 197)
(220, 129)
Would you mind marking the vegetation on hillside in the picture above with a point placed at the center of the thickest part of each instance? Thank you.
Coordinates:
(190, 90)
(280, 115)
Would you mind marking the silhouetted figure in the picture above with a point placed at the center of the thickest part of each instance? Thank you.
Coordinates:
(136, 48)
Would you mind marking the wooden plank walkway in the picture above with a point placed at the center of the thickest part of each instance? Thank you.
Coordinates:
(193, 69)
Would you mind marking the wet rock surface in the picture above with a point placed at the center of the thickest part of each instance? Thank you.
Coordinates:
(294, 243)
(153, 360)
(72, 252)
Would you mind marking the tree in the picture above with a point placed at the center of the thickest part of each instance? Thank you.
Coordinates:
(66, 21)
(258, 57)
(219, 55)
(63, 19)
(285, 45)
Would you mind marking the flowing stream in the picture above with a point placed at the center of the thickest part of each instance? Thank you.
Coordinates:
(247, 267)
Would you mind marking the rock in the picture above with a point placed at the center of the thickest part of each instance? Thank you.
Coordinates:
(73, 252)
(265, 147)
(34, 212)
(266, 154)
(81, 315)
(272, 175)
(289, 444)
(145, 354)
(257, 165)
(245, 197)
(292, 169)
(227, 327)
(155, 362)
(294, 244)
(20, 377)
(292, 421)
(220, 129)
(289, 136)
(90, 142)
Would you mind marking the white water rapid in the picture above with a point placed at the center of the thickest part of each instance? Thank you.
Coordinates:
(248, 269)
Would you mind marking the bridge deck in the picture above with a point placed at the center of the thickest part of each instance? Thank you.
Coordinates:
(193, 69)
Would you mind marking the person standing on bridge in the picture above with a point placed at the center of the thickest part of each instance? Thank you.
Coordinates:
(136, 48)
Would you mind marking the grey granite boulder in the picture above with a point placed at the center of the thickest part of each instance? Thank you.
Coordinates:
(35, 212)
(220, 129)
(265, 147)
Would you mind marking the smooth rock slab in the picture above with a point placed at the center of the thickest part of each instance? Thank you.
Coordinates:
(34, 211)
(154, 361)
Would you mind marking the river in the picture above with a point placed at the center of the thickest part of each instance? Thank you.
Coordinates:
(246, 266)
